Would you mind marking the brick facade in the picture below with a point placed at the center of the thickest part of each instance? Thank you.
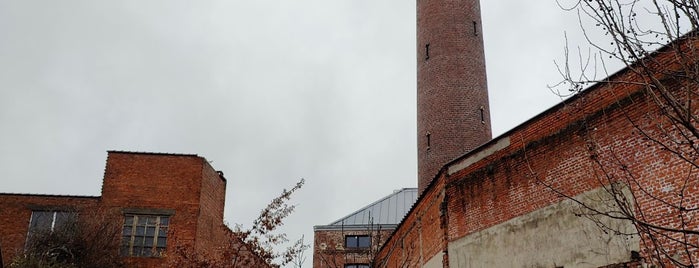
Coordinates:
(590, 141)
(184, 187)
(334, 243)
(420, 235)
(329, 249)
(16, 210)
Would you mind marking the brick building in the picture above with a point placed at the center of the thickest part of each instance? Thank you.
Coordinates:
(513, 201)
(606, 178)
(353, 241)
(162, 202)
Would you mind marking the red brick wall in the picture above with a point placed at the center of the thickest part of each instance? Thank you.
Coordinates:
(16, 212)
(157, 181)
(451, 84)
(557, 148)
(152, 180)
(493, 192)
(420, 236)
(185, 185)
(210, 234)
(553, 149)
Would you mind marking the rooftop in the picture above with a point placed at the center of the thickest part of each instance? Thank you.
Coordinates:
(389, 210)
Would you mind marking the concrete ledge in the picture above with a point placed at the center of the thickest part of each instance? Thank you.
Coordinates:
(482, 153)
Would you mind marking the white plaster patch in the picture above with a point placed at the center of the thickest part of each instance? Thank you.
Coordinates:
(666, 188)
(548, 237)
(435, 261)
(482, 153)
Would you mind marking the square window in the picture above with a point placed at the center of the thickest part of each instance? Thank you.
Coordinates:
(162, 232)
(144, 235)
(41, 221)
(351, 242)
(363, 241)
(128, 220)
(138, 241)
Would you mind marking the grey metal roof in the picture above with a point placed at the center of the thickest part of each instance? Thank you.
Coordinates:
(389, 210)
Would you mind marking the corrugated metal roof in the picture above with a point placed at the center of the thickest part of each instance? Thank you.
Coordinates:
(388, 210)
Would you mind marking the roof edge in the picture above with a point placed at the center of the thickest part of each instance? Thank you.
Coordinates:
(51, 195)
(373, 203)
(358, 227)
(152, 153)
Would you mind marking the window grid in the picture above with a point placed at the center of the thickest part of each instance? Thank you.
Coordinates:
(144, 235)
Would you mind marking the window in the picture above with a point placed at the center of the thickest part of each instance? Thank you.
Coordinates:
(429, 143)
(357, 265)
(482, 115)
(144, 235)
(357, 241)
(427, 51)
(49, 221)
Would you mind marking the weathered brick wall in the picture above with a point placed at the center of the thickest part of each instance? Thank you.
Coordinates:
(516, 183)
(590, 140)
(16, 212)
(452, 95)
(185, 185)
(157, 181)
(329, 246)
(560, 148)
(421, 235)
(210, 233)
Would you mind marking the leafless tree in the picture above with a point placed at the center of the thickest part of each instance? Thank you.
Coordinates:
(254, 247)
(261, 237)
(656, 41)
(299, 259)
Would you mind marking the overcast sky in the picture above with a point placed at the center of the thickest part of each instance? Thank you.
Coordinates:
(267, 91)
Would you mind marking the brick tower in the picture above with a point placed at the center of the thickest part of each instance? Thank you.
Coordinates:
(452, 97)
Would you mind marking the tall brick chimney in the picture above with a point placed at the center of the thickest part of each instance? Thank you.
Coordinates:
(452, 96)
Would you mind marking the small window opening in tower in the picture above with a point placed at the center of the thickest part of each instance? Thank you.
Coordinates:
(482, 115)
(427, 51)
(428, 140)
(475, 28)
